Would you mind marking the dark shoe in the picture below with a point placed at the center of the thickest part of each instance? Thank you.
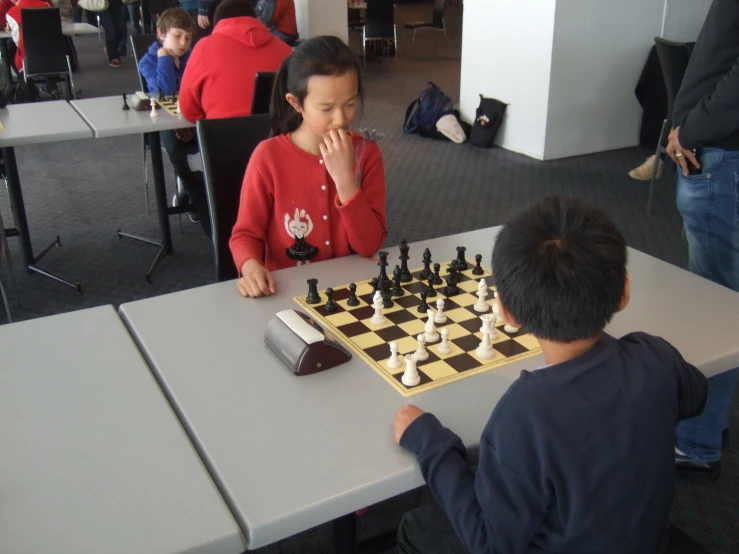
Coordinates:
(115, 63)
(697, 471)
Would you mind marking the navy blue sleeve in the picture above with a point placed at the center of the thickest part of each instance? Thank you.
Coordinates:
(159, 73)
(495, 511)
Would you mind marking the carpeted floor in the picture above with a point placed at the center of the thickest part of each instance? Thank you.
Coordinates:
(86, 190)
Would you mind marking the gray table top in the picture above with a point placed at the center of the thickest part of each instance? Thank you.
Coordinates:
(106, 118)
(93, 458)
(294, 452)
(40, 122)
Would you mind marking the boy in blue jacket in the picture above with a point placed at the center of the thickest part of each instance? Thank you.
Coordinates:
(578, 455)
(162, 68)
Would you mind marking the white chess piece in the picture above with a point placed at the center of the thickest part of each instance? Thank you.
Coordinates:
(410, 376)
(496, 307)
(510, 328)
(394, 361)
(486, 350)
(154, 110)
(177, 107)
(430, 329)
(440, 317)
(421, 354)
(482, 293)
(378, 318)
(444, 347)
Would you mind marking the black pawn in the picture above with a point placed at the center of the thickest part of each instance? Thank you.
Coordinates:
(313, 296)
(375, 287)
(431, 291)
(426, 265)
(125, 103)
(478, 268)
(423, 307)
(461, 260)
(353, 300)
(397, 277)
(330, 305)
(405, 274)
(387, 301)
(161, 95)
(437, 277)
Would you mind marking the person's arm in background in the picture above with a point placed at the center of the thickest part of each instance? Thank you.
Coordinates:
(265, 12)
(5, 6)
(191, 88)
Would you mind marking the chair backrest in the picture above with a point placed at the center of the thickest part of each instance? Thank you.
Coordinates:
(226, 146)
(263, 83)
(674, 58)
(43, 41)
(379, 19)
(438, 13)
(140, 45)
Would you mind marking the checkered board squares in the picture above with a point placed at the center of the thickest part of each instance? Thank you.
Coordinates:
(168, 104)
(351, 325)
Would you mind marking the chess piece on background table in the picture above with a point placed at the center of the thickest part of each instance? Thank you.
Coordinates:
(154, 110)
(410, 376)
(353, 300)
(125, 103)
(421, 354)
(394, 361)
(478, 265)
(405, 274)
(444, 346)
(330, 305)
(313, 296)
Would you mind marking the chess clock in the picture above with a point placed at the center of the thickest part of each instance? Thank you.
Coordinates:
(302, 344)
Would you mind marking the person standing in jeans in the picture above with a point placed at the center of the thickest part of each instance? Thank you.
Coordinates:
(133, 9)
(114, 24)
(705, 144)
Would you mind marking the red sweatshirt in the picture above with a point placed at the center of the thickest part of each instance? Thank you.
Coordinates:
(13, 18)
(287, 189)
(219, 78)
(284, 17)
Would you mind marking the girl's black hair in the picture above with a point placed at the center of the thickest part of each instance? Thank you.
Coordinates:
(324, 56)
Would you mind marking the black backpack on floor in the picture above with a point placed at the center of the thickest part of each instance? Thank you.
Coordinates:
(488, 118)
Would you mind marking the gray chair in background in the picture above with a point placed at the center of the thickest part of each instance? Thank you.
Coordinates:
(437, 20)
(6, 250)
(379, 25)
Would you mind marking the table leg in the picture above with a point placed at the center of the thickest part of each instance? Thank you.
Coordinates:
(163, 211)
(8, 75)
(345, 534)
(21, 230)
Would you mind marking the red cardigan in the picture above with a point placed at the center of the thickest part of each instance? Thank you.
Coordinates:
(287, 189)
(219, 78)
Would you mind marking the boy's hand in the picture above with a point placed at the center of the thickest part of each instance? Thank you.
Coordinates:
(338, 156)
(164, 52)
(403, 418)
(203, 21)
(256, 280)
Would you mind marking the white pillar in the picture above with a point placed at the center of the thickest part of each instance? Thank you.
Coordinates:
(322, 17)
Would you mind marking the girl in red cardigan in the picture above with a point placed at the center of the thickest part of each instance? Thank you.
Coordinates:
(314, 191)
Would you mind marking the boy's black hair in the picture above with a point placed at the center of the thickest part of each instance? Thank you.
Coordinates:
(324, 55)
(233, 8)
(560, 268)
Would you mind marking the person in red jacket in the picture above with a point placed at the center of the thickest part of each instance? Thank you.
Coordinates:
(315, 191)
(279, 17)
(13, 19)
(219, 79)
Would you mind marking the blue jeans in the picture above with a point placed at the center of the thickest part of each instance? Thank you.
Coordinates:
(709, 205)
(287, 39)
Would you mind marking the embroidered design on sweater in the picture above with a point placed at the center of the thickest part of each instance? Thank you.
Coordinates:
(298, 227)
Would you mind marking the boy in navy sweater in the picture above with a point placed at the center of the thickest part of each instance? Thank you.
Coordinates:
(578, 455)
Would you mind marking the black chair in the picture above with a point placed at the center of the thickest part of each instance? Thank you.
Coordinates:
(682, 543)
(45, 47)
(379, 24)
(263, 84)
(436, 23)
(673, 58)
(226, 146)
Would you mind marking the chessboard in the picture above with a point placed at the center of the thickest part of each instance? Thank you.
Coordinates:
(351, 326)
(170, 104)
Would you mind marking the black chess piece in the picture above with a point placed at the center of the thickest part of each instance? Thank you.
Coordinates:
(478, 268)
(353, 300)
(423, 307)
(125, 103)
(330, 305)
(161, 95)
(405, 274)
(431, 291)
(375, 286)
(301, 250)
(387, 300)
(174, 97)
(313, 296)
(426, 265)
(397, 278)
(437, 277)
(461, 260)
(451, 279)
(383, 263)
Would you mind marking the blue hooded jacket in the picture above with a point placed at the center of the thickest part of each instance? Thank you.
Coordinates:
(160, 72)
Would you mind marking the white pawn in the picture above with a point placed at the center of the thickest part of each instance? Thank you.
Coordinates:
(486, 350)
(177, 108)
(510, 328)
(394, 361)
(482, 293)
(440, 317)
(430, 329)
(378, 318)
(496, 307)
(421, 353)
(491, 326)
(444, 347)
(410, 376)
(154, 110)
